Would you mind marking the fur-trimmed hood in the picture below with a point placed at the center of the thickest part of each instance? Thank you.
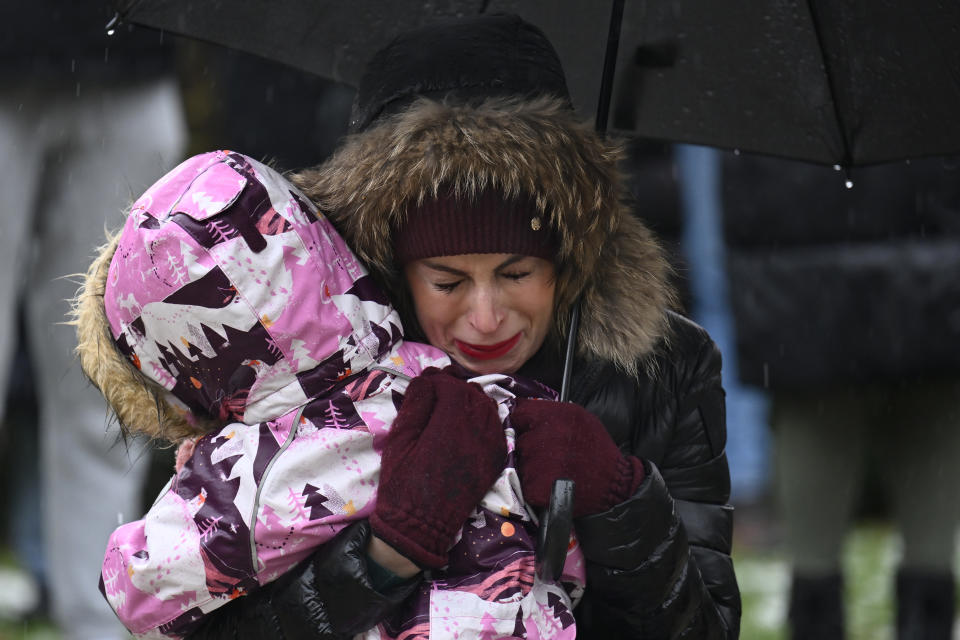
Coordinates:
(226, 297)
(534, 147)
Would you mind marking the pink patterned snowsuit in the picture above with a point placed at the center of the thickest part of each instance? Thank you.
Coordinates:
(230, 290)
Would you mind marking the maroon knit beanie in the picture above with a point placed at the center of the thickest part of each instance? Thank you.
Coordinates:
(487, 223)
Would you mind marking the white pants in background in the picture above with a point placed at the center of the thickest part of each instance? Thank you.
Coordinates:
(73, 158)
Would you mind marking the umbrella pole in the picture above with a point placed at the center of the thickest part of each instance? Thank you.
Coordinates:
(603, 114)
(557, 522)
(609, 66)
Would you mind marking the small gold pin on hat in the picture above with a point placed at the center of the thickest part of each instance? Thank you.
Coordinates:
(535, 223)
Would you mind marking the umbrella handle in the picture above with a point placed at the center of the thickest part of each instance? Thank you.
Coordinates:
(556, 521)
(554, 535)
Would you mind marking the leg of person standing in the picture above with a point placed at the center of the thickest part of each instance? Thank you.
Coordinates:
(924, 449)
(820, 460)
(105, 146)
(22, 154)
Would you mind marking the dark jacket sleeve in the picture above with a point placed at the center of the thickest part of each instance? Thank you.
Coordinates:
(328, 596)
(659, 565)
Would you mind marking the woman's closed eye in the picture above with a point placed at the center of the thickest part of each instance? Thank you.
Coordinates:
(446, 287)
(516, 275)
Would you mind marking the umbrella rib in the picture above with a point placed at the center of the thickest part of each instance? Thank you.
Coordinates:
(123, 8)
(847, 159)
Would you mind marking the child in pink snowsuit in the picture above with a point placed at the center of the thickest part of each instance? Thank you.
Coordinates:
(228, 296)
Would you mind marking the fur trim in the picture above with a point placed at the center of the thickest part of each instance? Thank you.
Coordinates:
(141, 405)
(532, 147)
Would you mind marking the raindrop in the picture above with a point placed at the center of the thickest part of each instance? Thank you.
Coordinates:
(836, 167)
(848, 184)
(112, 25)
(736, 152)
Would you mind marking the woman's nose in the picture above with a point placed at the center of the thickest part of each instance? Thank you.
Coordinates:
(485, 313)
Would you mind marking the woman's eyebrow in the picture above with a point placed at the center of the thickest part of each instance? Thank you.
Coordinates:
(444, 268)
(509, 261)
(436, 266)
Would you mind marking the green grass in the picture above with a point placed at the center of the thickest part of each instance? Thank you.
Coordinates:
(764, 579)
(28, 631)
(870, 559)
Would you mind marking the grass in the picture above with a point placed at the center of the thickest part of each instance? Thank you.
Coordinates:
(870, 559)
(14, 586)
(28, 631)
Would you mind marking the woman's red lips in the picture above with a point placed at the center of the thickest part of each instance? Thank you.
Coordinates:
(487, 351)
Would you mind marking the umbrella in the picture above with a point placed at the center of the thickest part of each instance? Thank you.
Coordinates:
(335, 39)
(845, 82)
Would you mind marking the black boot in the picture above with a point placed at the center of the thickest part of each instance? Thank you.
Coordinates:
(816, 607)
(925, 604)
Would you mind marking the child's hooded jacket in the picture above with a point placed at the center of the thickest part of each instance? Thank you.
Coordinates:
(229, 307)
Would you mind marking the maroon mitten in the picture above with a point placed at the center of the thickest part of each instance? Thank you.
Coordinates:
(564, 440)
(444, 451)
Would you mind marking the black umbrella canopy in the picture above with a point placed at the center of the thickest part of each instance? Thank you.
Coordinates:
(334, 39)
(847, 82)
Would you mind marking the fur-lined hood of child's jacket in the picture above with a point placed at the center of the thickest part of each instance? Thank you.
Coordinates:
(226, 297)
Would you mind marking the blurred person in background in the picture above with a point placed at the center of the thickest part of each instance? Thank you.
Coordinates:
(78, 110)
(677, 189)
(704, 252)
(299, 117)
(847, 305)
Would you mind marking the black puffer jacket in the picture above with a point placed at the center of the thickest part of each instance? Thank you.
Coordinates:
(659, 564)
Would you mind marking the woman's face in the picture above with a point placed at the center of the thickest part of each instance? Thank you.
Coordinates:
(489, 311)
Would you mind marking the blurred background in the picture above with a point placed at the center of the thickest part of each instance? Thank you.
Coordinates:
(834, 297)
